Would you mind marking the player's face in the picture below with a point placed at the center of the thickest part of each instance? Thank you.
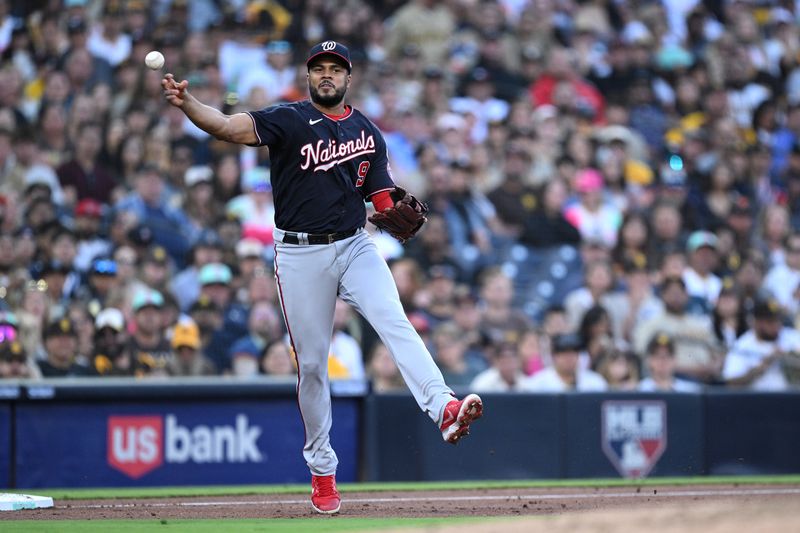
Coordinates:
(327, 82)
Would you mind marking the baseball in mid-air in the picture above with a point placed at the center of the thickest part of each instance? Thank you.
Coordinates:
(154, 60)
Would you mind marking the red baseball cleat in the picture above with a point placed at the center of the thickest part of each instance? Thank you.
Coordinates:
(324, 496)
(458, 415)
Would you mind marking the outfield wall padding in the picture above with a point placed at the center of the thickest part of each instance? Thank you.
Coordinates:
(90, 433)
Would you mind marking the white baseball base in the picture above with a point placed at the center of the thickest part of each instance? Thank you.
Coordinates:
(18, 502)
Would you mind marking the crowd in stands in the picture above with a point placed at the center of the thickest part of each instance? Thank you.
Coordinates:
(614, 189)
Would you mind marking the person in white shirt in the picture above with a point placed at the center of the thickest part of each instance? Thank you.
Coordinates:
(108, 40)
(660, 360)
(565, 374)
(276, 76)
(505, 374)
(756, 359)
(783, 279)
(700, 280)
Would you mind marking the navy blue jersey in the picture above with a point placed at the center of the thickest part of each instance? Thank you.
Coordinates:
(322, 169)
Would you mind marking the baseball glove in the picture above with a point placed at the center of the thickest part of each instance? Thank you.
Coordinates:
(404, 220)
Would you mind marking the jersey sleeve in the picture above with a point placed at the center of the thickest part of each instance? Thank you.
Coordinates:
(379, 176)
(270, 125)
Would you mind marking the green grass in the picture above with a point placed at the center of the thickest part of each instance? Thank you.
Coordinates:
(161, 492)
(322, 524)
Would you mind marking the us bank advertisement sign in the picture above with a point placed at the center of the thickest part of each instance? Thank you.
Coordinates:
(183, 444)
(634, 435)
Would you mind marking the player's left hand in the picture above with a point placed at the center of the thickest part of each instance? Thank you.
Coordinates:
(404, 219)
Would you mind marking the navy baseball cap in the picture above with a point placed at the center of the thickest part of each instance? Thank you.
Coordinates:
(331, 48)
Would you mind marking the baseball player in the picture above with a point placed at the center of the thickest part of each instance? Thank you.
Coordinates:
(326, 160)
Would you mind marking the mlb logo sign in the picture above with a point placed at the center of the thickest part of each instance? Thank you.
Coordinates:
(135, 444)
(634, 435)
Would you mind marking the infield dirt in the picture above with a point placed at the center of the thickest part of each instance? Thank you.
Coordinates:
(655, 509)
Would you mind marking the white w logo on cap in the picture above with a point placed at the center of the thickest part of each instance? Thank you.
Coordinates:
(328, 45)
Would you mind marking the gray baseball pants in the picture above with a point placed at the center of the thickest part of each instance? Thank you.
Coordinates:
(309, 279)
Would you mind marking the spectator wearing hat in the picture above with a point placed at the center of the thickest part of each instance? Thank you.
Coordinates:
(206, 249)
(78, 36)
(41, 181)
(250, 257)
(149, 202)
(62, 249)
(87, 227)
(61, 346)
(698, 355)
(514, 199)
(245, 358)
(760, 358)
(84, 176)
(741, 224)
(208, 316)
(155, 268)
(15, 364)
(101, 284)
(54, 275)
(187, 358)
(215, 284)
(479, 100)
(701, 282)
(660, 363)
(592, 215)
(111, 355)
(255, 208)
(199, 203)
(148, 344)
(565, 374)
